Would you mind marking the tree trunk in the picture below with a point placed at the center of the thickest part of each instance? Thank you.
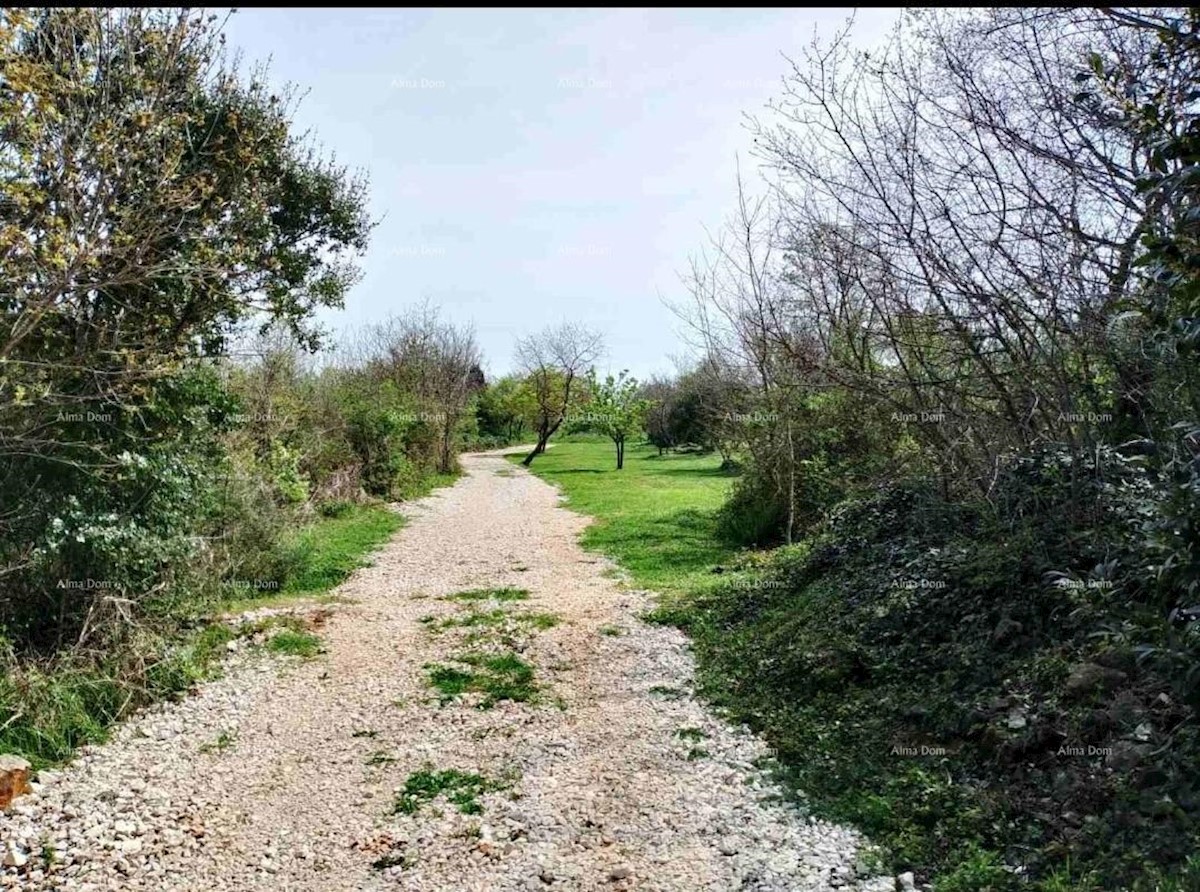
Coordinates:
(543, 438)
(620, 454)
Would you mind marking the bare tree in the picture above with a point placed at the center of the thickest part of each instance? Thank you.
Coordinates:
(553, 360)
(434, 360)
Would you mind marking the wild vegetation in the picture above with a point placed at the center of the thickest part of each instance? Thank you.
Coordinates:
(951, 351)
(169, 447)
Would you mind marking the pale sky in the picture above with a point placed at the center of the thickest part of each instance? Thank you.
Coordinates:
(531, 166)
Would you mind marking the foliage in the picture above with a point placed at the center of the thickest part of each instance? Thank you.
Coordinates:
(981, 691)
(614, 408)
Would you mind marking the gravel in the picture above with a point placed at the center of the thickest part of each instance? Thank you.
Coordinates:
(282, 774)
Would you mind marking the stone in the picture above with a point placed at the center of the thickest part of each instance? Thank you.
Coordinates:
(906, 882)
(14, 778)
(14, 856)
(130, 846)
(620, 872)
(1087, 678)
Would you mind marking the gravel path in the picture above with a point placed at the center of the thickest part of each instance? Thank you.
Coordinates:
(283, 774)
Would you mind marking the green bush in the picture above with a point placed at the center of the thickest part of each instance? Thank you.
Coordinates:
(991, 635)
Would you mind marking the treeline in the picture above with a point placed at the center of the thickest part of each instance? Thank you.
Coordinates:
(953, 348)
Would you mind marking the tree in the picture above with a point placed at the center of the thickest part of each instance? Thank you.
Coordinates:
(435, 361)
(503, 408)
(552, 361)
(154, 200)
(616, 409)
(661, 394)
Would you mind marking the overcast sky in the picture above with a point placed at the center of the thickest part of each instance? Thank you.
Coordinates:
(536, 165)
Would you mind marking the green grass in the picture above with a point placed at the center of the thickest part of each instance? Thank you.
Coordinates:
(462, 789)
(50, 709)
(492, 594)
(334, 547)
(497, 676)
(657, 515)
(293, 642)
(426, 485)
(223, 741)
(493, 619)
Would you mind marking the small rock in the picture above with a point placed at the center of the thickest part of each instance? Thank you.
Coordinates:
(130, 846)
(727, 847)
(620, 872)
(1089, 677)
(14, 778)
(906, 882)
(13, 856)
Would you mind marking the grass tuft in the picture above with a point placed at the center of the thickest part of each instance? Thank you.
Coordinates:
(497, 676)
(294, 642)
(462, 789)
(506, 593)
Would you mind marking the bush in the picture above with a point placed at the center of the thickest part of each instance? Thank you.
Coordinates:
(992, 636)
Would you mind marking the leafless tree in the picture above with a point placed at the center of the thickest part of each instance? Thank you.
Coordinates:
(553, 360)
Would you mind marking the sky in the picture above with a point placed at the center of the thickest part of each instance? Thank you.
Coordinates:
(532, 166)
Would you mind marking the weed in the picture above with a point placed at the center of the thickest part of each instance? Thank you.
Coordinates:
(691, 733)
(393, 859)
(666, 692)
(505, 593)
(462, 789)
(380, 757)
(295, 643)
(497, 676)
(540, 621)
(224, 741)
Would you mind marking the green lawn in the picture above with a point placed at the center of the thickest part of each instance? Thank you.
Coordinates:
(656, 515)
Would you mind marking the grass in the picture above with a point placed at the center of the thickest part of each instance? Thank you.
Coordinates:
(657, 515)
(492, 594)
(334, 547)
(49, 709)
(296, 643)
(223, 741)
(393, 859)
(426, 485)
(496, 676)
(666, 692)
(462, 789)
